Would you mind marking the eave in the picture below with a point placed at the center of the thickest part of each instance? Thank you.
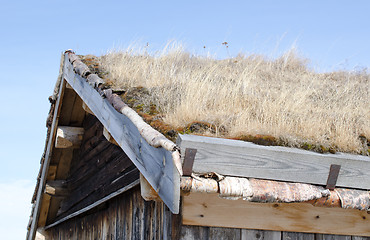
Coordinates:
(158, 160)
(152, 154)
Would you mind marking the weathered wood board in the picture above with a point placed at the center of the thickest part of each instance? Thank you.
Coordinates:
(245, 159)
(128, 216)
(210, 210)
(43, 200)
(154, 163)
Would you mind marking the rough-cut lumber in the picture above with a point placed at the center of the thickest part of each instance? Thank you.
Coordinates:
(68, 137)
(301, 236)
(155, 164)
(147, 192)
(245, 159)
(210, 210)
(250, 234)
(86, 108)
(128, 216)
(57, 188)
(109, 137)
(97, 203)
(41, 234)
(151, 136)
(45, 166)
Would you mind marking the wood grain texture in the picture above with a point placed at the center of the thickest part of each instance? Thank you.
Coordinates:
(252, 234)
(245, 159)
(332, 237)
(40, 210)
(194, 232)
(69, 137)
(154, 163)
(360, 238)
(128, 216)
(298, 236)
(224, 233)
(210, 210)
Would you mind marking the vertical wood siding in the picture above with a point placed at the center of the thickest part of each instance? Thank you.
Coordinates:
(128, 216)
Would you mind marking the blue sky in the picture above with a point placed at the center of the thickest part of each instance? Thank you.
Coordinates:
(332, 34)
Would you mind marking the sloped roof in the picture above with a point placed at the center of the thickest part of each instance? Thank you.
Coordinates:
(253, 98)
(117, 117)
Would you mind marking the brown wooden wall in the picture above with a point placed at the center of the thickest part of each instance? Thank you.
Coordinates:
(128, 216)
(98, 168)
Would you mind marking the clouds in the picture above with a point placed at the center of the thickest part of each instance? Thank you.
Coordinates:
(15, 208)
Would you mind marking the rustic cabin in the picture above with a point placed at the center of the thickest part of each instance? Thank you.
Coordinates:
(112, 168)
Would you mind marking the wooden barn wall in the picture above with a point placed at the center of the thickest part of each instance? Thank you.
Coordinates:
(128, 216)
(98, 168)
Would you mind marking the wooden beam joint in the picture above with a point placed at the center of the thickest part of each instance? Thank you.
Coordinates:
(87, 109)
(147, 191)
(109, 137)
(56, 188)
(68, 137)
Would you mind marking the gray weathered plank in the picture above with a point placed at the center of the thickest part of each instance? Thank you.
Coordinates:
(332, 237)
(45, 166)
(224, 233)
(239, 158)
(297, 236)
(251, 234)
(95, 204)
(194, 232)
(154, 163)
(360, 238)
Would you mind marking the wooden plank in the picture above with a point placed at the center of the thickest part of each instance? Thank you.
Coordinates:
(44, 210)
(194, 232)
(147, 192)
(52, 172)
(64, 163)
(68, 137)
(56, 188)
(224, 233)
(95, 204)
(44, 174)
(252, 234)
(96, 188)
(297, 236)
(68, 103)
(360, 238)
(78, 114)
(154, 163)
(86, 108)
(210, 210)
(109, 137)
(332, 237)
(245, 159)
(64, 158)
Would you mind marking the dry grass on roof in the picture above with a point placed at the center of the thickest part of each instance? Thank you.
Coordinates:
(250, 95)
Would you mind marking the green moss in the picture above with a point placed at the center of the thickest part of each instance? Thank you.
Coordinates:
(139, 107)
(306, 146)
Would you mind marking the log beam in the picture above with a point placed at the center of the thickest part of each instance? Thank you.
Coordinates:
(67, 137)
(147, 192)
(86, 108)
(57, 188)
(109, 137)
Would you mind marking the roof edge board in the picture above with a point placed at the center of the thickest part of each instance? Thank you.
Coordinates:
(245, 159)
(57, 96)
(157, 164)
